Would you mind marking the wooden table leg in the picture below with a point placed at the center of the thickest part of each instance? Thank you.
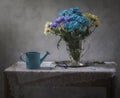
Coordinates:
(111, 88)
(6, 87)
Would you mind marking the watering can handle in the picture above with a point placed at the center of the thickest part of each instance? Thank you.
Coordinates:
(21, 57)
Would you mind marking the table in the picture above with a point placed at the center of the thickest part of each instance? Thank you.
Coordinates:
(98, 75)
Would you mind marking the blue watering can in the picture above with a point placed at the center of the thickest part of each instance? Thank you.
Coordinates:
(33, 59)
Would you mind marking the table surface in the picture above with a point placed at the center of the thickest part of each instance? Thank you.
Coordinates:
(21, 67)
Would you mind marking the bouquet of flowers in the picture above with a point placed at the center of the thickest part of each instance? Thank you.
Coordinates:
(73, 27)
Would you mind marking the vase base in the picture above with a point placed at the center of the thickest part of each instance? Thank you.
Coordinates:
(70, 64)
(76, 64)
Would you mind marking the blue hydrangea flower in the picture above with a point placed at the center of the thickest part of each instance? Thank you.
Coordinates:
(77, 22)
(70, 12)
(80, 19)
(75, 11)
(72, 25)
(63, 13)
(72, 19)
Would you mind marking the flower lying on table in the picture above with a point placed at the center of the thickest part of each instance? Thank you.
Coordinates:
(73, 26)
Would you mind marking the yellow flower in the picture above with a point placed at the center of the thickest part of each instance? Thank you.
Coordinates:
(47, 28)
(48, 24)
(97, 23)
(93, 18)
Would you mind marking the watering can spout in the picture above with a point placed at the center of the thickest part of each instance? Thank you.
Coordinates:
(44, 56)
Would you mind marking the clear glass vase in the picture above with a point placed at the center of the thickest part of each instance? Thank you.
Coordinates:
(76, 50)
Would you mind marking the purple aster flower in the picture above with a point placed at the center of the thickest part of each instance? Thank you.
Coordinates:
(59, 19)
(54, 24)
(68, 19)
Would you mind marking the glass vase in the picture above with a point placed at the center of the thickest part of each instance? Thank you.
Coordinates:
(76, 50)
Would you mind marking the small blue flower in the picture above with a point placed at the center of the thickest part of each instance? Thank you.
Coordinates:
(70, 12)
(63, 13)
(73, 10)
(80, 19)
(74, 16)
(72, 25)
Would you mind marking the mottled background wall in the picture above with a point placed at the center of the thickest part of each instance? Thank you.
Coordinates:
(22, 24)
